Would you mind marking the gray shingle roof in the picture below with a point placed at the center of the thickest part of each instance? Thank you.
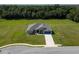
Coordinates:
(39, 26)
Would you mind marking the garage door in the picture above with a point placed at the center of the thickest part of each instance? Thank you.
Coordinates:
(47, 32)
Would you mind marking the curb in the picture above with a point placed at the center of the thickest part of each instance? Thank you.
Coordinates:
(25, 44)
(21, 44)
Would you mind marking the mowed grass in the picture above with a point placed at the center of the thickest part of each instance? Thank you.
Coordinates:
(13, 31)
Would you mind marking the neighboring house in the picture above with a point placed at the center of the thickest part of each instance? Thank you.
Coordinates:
(39, 28)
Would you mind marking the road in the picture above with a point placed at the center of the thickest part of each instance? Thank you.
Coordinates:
(41, 50)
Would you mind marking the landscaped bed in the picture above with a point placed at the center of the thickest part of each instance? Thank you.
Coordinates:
(13, 31)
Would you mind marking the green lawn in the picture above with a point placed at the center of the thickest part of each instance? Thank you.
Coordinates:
(13, 31)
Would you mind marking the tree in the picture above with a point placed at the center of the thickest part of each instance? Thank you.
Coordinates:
(39, 12)
(76, 18)
(72, 13)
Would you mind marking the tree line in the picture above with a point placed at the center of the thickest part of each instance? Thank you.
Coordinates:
(40, 12)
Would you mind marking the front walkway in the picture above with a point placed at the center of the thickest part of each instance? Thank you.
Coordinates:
(49, 41)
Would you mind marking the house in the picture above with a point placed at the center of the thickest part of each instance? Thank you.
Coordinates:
(39, 28)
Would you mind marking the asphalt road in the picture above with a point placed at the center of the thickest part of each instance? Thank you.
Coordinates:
(41, 50)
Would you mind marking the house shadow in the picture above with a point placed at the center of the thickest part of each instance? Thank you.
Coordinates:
(53, 32)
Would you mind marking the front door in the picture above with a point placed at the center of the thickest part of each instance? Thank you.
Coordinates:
(37, 31)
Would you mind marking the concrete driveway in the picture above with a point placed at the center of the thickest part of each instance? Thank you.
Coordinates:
(49, 41)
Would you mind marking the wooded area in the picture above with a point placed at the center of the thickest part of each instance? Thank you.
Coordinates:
(40, 12)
